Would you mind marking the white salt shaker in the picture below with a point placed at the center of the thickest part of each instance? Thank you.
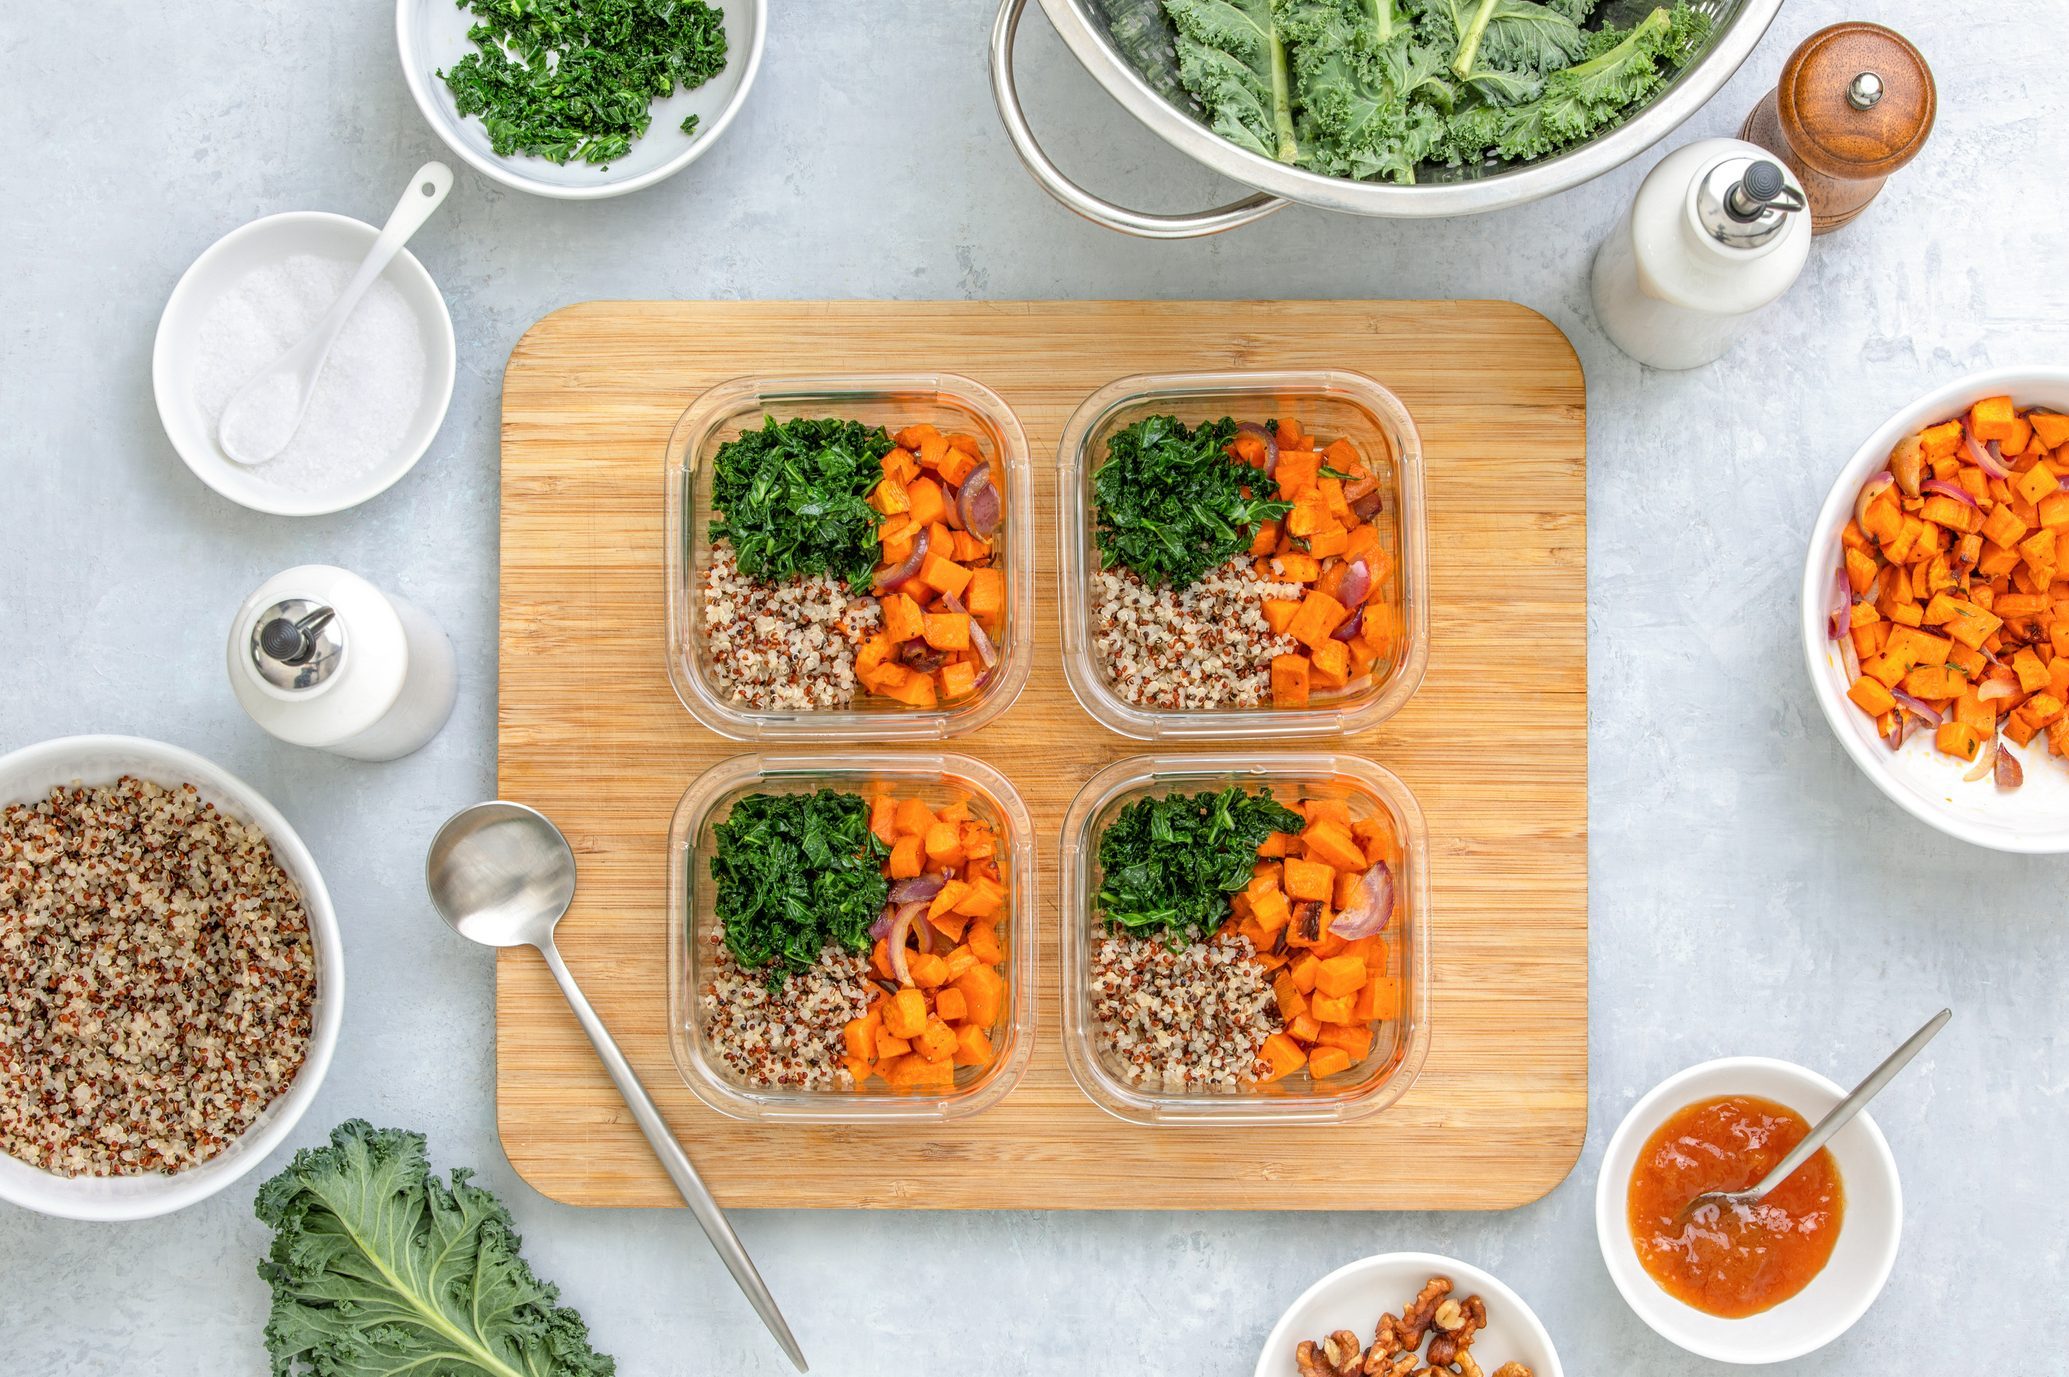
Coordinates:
(1716, 232)
(320, 657)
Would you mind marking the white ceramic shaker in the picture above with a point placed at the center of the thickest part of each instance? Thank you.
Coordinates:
(1716, 232)
(320, 657)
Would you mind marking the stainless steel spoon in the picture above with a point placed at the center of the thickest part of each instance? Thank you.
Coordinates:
(1842, 1114)
(502, 874)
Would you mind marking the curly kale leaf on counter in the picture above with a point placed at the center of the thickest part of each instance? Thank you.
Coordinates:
(1169, 865)
(1373, 89)
(795, 873)
(567, 79)
(377, 1266)
(1169, 501)
(793, 498)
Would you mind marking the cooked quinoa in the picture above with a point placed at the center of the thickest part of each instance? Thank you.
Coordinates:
(789, 1036)
(156, 980)
(1207, 646)
(789, 645)
(1188, 1018)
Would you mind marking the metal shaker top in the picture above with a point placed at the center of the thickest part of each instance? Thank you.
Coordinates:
(1744, 203)
(297, 644)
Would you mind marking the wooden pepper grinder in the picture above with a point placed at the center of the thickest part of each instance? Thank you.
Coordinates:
(1854, 104)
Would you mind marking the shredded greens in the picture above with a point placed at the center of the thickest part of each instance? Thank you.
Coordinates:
(1373, 89)
(1170, 502)
(795, 872)
(568, 79)
(377, 1266)
(1170, 864)
(793, 498)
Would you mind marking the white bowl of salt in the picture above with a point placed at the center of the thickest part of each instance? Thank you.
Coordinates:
(380, 398)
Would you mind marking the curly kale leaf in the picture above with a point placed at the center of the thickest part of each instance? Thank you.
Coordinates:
(795, 872)
(793, 498)
(567, 79)
(377, 1267)
(1232, 57)
(1621, 69)
(1370, 97)
(1517, 37)
(1379, 87)
(1170, 504)
(1168, 865)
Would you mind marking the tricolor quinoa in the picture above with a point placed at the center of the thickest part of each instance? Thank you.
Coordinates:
(157, 980)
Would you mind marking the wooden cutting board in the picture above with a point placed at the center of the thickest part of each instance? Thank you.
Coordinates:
(1494, 746)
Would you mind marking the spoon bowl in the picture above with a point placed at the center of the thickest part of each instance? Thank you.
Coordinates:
(501, 874)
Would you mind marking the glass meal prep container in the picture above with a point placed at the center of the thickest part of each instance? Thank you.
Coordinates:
(1399, 1044)
(947, 401)
(938, 779)
(1329, 404)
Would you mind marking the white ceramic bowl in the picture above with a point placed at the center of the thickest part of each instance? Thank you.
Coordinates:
(216, 272)
(1354, 1296)
(1925, 783)
(30, 774)
(1860, 1261)
(432, 36)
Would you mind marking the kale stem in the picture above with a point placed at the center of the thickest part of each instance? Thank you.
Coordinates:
(1469, 41)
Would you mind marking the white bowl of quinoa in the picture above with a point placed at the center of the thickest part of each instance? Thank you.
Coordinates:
(171, 978)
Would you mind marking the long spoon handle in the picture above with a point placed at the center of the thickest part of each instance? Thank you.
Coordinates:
(1842, 1113)
(425, 193)
(694, 1192)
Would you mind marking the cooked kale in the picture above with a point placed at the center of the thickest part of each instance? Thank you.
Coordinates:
(1169, 501)
(795, 872)
(793, 498)
(1169, 864)
(567, 79)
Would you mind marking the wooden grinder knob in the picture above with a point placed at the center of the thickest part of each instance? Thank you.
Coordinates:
(1854, 104)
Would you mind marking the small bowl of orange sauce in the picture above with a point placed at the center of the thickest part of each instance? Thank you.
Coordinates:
(1760, 1284)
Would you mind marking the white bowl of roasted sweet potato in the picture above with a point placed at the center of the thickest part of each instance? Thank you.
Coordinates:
(1936, 609)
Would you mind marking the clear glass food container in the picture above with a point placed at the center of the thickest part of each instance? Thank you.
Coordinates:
(939, 779)
(1398, 1046)
(945, 400)
(1329, 403)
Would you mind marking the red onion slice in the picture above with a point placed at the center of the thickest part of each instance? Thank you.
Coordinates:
(1356, 585)
(1350, 628)
(977, 502)
(1870, 490)
(1911, 704)
(1839, 605)
(1946, 489)
(891, 578)
(2010, 774)
(1985, 762)
(1989, 459)
(1895, 739)
(881, 928)
(1374, 909)
(1851, 658)
(895, 939)
(1271, 444)
(1994, 689)
(981, 643)
(918, 889)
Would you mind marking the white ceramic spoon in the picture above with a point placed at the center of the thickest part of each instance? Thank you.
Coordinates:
(264, 414)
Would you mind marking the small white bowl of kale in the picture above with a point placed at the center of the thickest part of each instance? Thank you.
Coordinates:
(580, 99)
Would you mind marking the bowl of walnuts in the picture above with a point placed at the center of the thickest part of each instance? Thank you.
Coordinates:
(1397, 1314)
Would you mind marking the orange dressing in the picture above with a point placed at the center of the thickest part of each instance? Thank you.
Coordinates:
(1723, 1260)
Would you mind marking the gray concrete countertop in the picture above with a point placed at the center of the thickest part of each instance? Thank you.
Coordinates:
(1751, 893)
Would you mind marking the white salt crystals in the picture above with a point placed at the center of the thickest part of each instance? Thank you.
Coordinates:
(364, 400)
